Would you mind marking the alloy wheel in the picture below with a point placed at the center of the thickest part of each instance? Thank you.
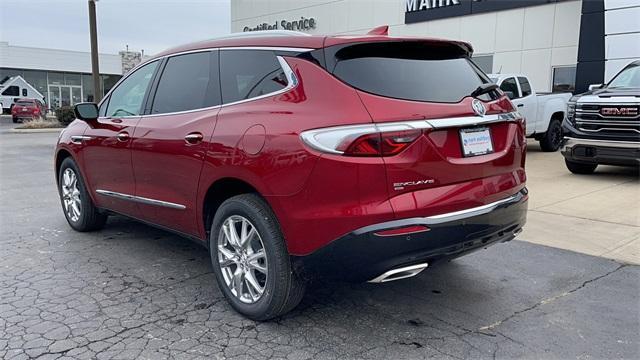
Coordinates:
(71, 195)
(242, 259)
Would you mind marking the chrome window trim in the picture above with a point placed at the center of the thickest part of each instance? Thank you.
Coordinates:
(292, 82)
(266, 48)
(140, 199)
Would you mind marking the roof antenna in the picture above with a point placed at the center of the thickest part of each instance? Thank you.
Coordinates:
(380, 30)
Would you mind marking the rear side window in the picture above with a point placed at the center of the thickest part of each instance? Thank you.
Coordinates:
(509, 85)
(188, 82)
(524, 86)
(246, 74)
(416, 71)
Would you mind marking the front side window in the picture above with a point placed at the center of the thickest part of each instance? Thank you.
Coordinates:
(126, 99)
(629, 77)
(12, 90)
(510, 87)
(246, 74)
(188, 82)
(524, 86)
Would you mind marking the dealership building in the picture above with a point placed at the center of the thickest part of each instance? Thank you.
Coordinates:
(63, 77)
(559, 44)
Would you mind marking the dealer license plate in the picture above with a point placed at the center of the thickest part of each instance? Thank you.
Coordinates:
(476, 141)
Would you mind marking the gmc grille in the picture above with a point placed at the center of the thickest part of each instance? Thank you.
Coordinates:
(609, 119)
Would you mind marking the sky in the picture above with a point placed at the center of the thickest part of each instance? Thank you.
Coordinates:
(149, 25)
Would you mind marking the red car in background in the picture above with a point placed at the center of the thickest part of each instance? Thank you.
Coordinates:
(289, 156)
(27, 109)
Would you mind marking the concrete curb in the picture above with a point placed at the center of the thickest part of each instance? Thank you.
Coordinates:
(30, 131)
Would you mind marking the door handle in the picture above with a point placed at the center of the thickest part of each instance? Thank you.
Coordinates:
(193, 138)
(122, 136)
(520, 105)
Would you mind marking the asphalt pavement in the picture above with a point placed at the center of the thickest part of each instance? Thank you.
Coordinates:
(133, 291)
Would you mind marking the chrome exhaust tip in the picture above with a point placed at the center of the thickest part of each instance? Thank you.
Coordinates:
(517, 232)
(400, 273)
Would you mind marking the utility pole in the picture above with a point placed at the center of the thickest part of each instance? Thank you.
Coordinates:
(95, 70)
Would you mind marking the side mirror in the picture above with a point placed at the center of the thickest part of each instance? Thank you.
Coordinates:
(510, 94)
(86, 111)
(594, 86)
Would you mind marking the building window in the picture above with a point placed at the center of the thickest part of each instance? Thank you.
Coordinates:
(37, 79)
(5, 74)
(484, 62)
(564, 79)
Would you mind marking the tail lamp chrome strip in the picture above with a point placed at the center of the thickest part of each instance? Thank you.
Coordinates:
(327, 139)
(140, 199)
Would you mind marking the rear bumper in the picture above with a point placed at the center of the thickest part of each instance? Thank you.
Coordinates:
(607, 152)
(362, 255)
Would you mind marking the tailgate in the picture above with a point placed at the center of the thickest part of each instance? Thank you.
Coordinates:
(471, 152)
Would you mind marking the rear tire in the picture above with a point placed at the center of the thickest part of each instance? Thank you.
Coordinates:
(77, 205)
(278, 289)
(580, 168)
(552, 139)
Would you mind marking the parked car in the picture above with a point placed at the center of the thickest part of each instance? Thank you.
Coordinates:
(27, 109)
(366, 157)
(543, 112)
(13, 88)
(603, 124)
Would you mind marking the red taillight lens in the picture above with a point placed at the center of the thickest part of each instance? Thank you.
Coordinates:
(382, 144)
(395, 142)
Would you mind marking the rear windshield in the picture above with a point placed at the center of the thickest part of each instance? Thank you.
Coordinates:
(25, 103)
(416, 71)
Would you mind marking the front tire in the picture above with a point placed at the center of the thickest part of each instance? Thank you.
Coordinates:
(77, 205)
(580, 168)
(250, 259)
(552, 139)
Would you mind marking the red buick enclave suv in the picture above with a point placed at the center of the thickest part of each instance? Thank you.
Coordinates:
(289, 156)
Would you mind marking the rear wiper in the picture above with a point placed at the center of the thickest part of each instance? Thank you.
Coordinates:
(484, 88)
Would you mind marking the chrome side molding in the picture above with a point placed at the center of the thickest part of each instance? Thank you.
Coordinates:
(400, 273)
(141, 199)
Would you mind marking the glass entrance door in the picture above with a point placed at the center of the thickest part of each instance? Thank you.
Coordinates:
(64, 95)
(54, 97)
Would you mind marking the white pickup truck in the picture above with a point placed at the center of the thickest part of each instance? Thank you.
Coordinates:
(543, 112)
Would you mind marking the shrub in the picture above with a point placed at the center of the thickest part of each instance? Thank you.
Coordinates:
(65, 115)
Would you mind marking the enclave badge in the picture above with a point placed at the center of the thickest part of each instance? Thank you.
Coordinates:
(478, 107)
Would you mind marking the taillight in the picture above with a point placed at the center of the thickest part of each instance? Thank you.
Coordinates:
(366, 140)
(382, 144)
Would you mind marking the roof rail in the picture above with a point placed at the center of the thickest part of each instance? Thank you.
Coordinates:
(262, 33)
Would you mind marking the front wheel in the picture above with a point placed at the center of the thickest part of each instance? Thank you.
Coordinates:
(250, 259)
(552, 139)
(77, 205)
(580, 168)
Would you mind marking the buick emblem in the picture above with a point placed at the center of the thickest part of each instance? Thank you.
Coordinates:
(478, 107)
